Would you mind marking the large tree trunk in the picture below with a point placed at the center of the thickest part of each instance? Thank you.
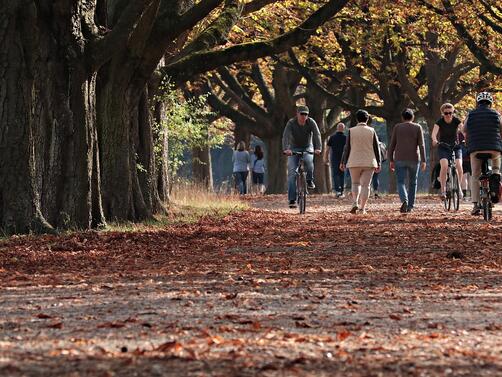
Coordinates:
(321, 178)
(19, 199)
(76, 201)
(241, 134)
(389, 124)
(160, 137)
(118, 126)
(276, 165)
(317, 104)
(201, 167)
(146, 156)
(60, 92)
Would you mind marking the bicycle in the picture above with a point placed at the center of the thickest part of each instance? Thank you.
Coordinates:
(301, 182)
(485, 195)
(452, 187)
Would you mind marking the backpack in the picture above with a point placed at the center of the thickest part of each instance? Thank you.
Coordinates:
(383, 151)
(495, 187)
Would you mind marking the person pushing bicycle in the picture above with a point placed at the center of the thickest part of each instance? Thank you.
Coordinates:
(483, 134)
(301, 134)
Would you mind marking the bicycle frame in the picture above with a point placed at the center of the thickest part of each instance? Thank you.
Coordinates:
(452, 181)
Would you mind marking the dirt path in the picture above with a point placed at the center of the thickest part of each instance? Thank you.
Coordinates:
(262, 292)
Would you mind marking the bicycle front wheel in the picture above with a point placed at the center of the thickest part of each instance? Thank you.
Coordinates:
(301, 187)
(448, 197)
(455, 190)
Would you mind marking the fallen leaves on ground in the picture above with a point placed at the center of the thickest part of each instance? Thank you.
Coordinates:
(264, 291)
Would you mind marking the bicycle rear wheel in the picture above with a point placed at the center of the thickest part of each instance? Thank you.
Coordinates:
(455, 190)
(301, 187)
(487, 209)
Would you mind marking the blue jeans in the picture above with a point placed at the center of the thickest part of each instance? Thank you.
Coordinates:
(292, 165)
(409, 168)
(240, 180)
(337, 176)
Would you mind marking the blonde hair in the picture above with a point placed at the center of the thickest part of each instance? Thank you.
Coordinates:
(447, 105)
(241, 146)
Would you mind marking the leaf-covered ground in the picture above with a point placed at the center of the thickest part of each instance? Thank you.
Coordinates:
(260, 292)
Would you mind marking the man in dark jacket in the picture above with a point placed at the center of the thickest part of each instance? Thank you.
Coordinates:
(483, 133)
(336, 143)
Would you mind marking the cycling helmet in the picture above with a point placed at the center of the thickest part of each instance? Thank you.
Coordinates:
(484, 96)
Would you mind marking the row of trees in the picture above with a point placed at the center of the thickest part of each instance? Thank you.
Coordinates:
(79, 86)
(382, 57)
(78, 82)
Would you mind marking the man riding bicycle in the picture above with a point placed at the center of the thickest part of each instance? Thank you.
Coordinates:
(301, 134)
(483, 133)
(447, 128)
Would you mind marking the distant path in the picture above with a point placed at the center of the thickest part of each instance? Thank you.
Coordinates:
(261, 292)
(388, 205)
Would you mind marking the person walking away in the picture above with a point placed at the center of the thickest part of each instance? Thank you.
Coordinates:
(336, 144)
(301, 134)
(446, 130)
(241, 161)
(362, 156)
(483, 134)
(407, 142)
(258, 170)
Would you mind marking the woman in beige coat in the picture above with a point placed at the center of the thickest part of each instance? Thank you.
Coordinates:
(362, 156)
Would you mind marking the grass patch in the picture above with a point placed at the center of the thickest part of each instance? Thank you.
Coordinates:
(188, 204)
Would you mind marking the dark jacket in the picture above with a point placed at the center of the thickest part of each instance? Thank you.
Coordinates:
(336, 143)
(483, 130)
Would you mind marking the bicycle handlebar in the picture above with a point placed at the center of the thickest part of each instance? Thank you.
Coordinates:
(449, 146)
(301, 153)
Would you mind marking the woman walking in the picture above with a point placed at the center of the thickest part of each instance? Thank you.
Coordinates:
(258, 170)
(362, 156)
(241, 162)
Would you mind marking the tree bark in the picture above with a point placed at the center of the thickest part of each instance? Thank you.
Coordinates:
(19, 199)
(389, 125)
(61, 90)
(118, 119)
(241, 134)
(201, 167)
(276, 165)
(160, 137)
(317, 104)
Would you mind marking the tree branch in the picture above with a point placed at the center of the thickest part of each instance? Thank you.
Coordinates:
(228, 111)
(204, 61)
(258, 78)
(410, 89)
(216, 33)
(311, 79)
(477, 51)
(490, 10)
(102, 49)
(241, 96)
(168, 29)
(256, 5)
